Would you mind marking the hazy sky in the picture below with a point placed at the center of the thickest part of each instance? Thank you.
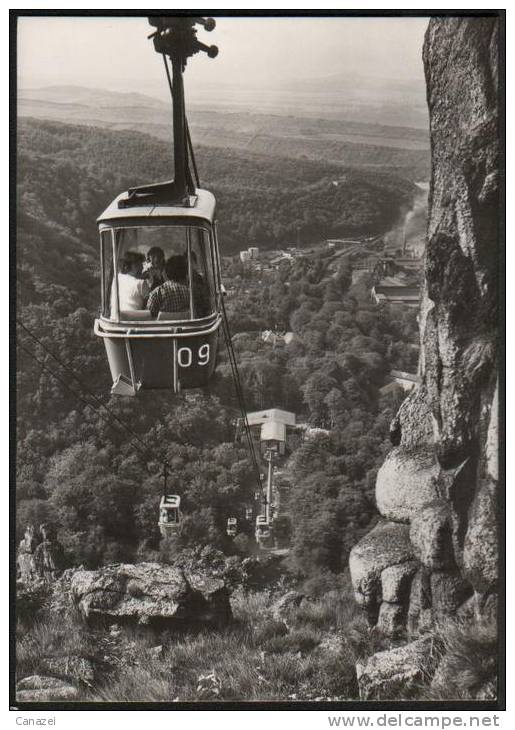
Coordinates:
(114, 53)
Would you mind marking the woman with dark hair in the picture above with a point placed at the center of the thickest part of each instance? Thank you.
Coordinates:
(132, 289)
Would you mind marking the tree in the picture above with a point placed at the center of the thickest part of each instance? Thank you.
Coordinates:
(335, 403)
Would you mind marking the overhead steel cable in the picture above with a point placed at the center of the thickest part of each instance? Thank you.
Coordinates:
(239, 393)
(135, 439)
(241, 402)
(74, 392)
(97, 400)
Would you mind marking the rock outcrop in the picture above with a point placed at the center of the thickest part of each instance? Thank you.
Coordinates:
(37, 688)
(385, 548)
(397, 671)
(150, 593)
(438, 488)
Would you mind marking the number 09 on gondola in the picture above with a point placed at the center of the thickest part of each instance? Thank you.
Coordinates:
(160, 307)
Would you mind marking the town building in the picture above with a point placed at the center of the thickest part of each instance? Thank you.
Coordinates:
(270, 428)
(396, 289)
(277, 338)
(251, 254)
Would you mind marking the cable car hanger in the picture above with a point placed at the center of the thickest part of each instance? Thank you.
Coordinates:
(175, 37)
(164, 339)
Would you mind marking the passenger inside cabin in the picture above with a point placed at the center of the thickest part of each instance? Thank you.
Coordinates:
(173, 295)
(132, 289)
(154, 268)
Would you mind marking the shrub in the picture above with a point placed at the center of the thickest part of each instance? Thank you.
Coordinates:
(268, 630)
(243, 545)
(301, 640)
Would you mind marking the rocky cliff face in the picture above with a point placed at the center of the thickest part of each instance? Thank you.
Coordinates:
(436, 552)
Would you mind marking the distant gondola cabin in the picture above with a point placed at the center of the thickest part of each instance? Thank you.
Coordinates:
(263, 532)
(169, 515)
(160, 294)
(232, 527)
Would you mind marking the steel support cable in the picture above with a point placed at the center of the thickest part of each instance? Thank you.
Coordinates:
(84, 387)
(239, 393)
(188, 136)
(237, 382)
(237, 386)
(113, 415)
(145, 452)
(250, 443)
(74, 392)
(248, 435)
(239, 389)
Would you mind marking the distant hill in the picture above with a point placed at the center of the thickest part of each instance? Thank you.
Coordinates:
(85, 96)
(342, 97)
(331, 139)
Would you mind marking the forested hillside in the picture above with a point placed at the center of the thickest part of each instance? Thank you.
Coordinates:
(97, 486)
(269, 201)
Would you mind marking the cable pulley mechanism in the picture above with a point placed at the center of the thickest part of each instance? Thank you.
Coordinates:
(177, 37)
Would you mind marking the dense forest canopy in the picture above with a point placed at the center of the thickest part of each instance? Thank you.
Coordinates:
(97, 485)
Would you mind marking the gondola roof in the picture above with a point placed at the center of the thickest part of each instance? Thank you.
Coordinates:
(202, 209)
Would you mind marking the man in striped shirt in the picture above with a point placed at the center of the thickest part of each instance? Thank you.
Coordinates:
(173, 295)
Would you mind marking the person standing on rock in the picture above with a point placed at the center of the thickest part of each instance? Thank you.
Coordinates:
(47, 556)
(25, 557)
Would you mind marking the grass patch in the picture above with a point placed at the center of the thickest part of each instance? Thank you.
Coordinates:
(53, 636)
(150, 683)
(468, 661)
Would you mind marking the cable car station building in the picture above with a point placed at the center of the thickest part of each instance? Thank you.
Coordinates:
(271, 428)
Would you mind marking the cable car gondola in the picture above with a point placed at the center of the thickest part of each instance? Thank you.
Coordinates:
(263, 533)
(160, 327)
(175, 350)
(232, 527)
(169, 515)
